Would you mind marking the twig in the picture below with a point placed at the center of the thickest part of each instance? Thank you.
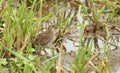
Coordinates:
(53, 57)
(104, 41)
(59, 67)
(91, 59)
(118, 29)
(90, 62)
(109, 42)
(25, 43)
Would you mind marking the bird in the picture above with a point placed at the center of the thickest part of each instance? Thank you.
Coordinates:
(44, 38)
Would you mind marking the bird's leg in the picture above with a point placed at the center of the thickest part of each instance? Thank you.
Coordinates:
(43, 48)
(44, 51)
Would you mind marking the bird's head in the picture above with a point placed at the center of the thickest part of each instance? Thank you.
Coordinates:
(51, 27)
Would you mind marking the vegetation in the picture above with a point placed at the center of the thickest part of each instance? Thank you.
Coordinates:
(21, 20)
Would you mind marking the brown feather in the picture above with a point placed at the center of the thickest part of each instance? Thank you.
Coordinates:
(44, 38)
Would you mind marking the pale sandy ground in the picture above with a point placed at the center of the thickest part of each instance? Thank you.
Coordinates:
(114, 59)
